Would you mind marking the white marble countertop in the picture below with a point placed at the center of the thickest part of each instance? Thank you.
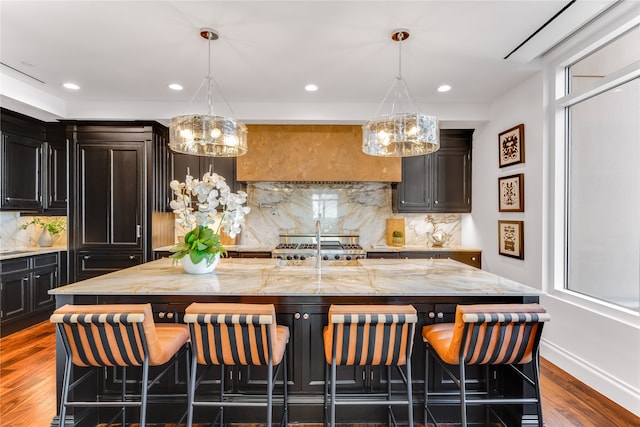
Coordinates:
(368, 248)
(244, 276)
(11, 253)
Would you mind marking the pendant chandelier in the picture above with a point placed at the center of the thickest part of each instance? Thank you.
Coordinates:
(208, 135)
(405, 131)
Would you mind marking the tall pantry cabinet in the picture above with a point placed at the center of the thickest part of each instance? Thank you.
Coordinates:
(118, 209)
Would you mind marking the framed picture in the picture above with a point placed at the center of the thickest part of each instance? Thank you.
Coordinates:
(511, 146)
(511, 193)
(511, 238)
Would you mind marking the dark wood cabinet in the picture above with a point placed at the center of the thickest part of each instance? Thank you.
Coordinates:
(110, 195)
(472, 258)
(56, 164)
(33, 157)
(118, 209)
(21, 161)
(382, 255)
(199, 165)
(24, 290)
(440, 181)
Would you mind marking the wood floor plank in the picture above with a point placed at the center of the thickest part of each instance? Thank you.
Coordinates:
(28, 395)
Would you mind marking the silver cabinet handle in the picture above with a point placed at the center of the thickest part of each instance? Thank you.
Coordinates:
(435, 201)
(305, 316)
(132, 256)
(296, 316)
(86, 257)
(138, 231)
(37, 276)
(431, 315)
(440, 315)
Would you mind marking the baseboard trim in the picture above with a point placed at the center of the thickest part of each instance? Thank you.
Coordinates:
(613, 388)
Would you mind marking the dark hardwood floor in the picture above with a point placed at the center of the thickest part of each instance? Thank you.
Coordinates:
(27, 388)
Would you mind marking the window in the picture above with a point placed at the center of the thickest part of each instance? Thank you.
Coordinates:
(601, 105)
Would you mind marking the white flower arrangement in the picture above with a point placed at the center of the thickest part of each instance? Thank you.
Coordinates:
(210, 193)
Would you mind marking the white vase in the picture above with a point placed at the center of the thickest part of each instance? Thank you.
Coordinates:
(45, 239)
(201, 267)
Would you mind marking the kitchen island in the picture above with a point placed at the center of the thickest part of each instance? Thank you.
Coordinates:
(302, 295)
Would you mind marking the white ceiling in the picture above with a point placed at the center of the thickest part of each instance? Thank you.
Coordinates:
(123, 54)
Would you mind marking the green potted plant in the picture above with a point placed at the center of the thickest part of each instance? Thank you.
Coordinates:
(50, 229)
(201, 248)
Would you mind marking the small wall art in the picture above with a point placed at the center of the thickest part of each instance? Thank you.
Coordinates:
(511, 193)
(511, 146)
(511, 238)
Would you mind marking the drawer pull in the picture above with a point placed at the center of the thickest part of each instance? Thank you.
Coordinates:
(131, 256)
(296, 316)
(86, 257)
(305, 316)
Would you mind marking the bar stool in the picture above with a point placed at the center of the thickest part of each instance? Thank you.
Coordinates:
(491, 334)
(369, 335)
(115, 335)
(236, 334)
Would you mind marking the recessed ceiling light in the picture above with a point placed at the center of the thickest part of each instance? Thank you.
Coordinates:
(311, 87)
(71, 86)
(175, 86)
(444, 88)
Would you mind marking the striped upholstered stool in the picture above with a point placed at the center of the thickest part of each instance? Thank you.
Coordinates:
(236, 334)
(118, 335)
(497, 334)
(369, 335)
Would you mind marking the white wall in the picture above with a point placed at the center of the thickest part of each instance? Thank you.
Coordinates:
(599, 348)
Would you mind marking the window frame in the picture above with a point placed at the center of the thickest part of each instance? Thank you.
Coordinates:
(557, 102)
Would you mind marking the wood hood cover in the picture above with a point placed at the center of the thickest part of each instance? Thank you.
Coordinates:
(312, 153)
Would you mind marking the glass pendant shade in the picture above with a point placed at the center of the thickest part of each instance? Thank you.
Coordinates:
(401, 135)
(405, 131)
(208, 134)
(212, 136)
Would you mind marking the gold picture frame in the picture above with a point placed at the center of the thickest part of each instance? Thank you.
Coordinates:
(511, 238)
(511, 146)
(511, 193)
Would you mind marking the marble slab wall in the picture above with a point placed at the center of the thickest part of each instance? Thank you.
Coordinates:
(360, 208)
(13, 236)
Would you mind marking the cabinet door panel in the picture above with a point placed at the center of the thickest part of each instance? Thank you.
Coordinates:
(43, 281)
(413, 192)
(450, 192)
(14, 301)
(94, 194)
(21, 172)
(126, 195)
(110, 198)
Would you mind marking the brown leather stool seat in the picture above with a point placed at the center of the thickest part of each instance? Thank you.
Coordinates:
(236, 334)
(369, 335)
(486, 334)
(115, 335)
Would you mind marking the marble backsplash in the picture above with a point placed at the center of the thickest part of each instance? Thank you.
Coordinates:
(361, 208)
(285, 208)
(13, 236)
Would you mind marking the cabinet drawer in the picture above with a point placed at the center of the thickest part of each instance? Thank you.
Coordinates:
(382, 255)
(92, 264)
(16, 264)
(43, 260)
(470, 258)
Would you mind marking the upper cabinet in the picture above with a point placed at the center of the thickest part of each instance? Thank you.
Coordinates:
(199, 165)
(22, 143)
(440, 181)
(33, 157)
(56, 164)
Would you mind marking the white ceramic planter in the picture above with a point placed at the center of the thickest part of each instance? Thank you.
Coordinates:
(201, 267)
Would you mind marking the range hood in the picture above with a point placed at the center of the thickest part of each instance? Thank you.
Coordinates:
(312, 153)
